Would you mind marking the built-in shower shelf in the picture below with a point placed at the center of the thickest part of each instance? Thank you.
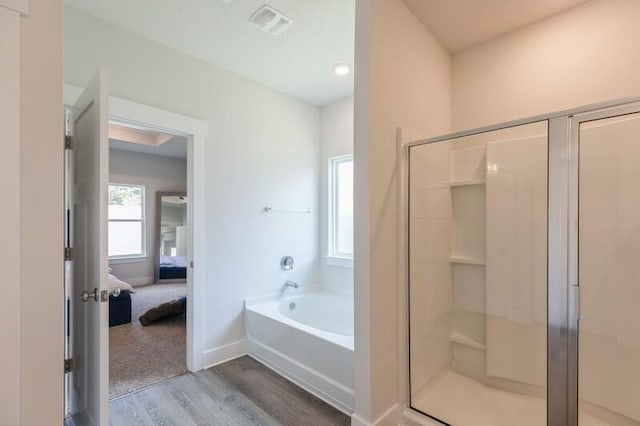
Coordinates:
(471, 182)
(466, 260)
(461, 339)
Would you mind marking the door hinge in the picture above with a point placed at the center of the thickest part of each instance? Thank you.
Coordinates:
(68, 254)
(191, 264)
(68, 142)
(68, 365)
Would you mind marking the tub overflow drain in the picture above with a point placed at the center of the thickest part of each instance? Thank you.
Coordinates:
(292, 306)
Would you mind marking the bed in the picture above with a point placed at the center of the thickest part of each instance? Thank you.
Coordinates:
(120, 306)
(172, 268)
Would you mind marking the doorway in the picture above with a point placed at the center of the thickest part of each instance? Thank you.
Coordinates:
(147, 236)
(130, 114)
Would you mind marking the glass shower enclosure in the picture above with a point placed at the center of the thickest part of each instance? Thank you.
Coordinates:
(524, 271)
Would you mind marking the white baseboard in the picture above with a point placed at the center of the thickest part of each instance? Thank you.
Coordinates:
(393, 416)
(221, 354)
(358, 421)
(314, 382)
(398, 414)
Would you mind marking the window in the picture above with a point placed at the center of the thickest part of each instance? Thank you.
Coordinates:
(126, 221)
(341, 209)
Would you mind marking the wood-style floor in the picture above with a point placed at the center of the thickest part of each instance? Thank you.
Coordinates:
(239, 392)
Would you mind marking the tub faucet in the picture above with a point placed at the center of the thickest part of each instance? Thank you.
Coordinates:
(291, 284)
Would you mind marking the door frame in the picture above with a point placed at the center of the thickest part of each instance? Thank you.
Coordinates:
(133, 114)
(574, 314)
(562, 245)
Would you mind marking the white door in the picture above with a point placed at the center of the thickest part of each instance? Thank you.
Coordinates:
(89, 390)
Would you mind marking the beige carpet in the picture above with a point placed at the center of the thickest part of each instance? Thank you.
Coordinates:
(142, 356)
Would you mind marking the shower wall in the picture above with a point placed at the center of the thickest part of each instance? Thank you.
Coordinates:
(477, 271)
(516, 274)
(478, 256)
(431, 291)
(498, 260)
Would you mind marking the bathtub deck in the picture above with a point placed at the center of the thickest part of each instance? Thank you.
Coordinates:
(239, 392)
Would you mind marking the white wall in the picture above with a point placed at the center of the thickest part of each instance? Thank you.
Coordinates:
(403, 78)
(31, 313)
(156, 174)
(585, 55)
(262, 149)
(336, 138)
(41, 179)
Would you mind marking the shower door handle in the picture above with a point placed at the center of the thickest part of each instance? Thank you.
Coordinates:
(576, 303)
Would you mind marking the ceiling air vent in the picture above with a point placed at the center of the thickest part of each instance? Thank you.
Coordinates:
(270, 20)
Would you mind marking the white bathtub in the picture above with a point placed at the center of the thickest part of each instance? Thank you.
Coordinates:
(307, 338)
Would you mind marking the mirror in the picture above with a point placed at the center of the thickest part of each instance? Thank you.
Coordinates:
(171, 237)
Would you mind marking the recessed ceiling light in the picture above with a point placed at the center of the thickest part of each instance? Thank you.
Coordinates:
(341, 69)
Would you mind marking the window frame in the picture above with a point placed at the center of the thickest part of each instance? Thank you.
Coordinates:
(128, 258)
(334, 257)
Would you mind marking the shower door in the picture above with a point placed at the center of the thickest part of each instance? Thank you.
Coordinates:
(478, 277)
(606, 265)
(524, 272)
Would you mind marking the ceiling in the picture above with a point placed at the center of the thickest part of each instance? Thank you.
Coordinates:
(173, 148)
(462, 24)
(298, 62)
(127, 137)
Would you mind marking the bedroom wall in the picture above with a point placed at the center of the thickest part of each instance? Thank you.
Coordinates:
(262, 150)
(156, 173)
(336, 137)
(585, 55)
(408, 87)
